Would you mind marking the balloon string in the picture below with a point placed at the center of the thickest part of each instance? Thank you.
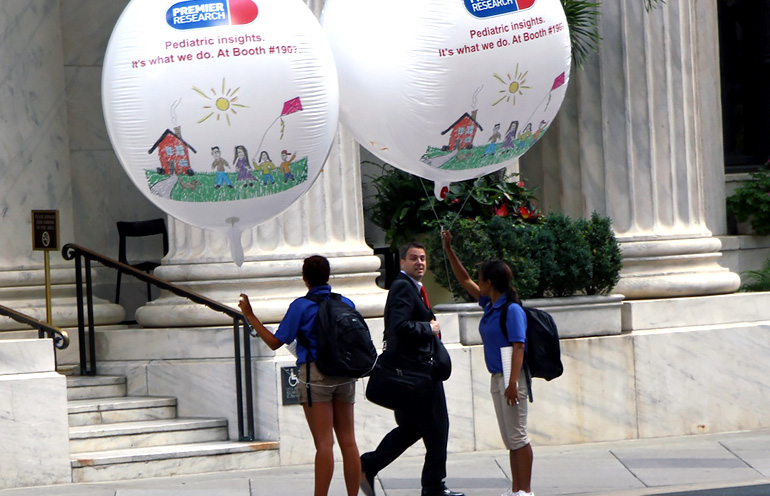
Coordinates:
(441, 228)
(459, 211)
(431, 201)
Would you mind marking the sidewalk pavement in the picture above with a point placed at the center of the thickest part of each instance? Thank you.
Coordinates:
(735, 464)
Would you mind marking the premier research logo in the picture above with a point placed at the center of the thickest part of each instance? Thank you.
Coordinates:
(488, 8)
(194, 14)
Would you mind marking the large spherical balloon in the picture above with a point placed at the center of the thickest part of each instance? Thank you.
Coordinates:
(449, 90)
(222, 112)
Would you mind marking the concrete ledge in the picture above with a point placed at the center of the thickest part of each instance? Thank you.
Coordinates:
(695, 311)
(26, 356)
(575, 316)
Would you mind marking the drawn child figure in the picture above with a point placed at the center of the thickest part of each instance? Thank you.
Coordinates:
(527, 132)
(241, 161)
(267, 167)
(220, 165)
(510, 136)
(286, 165)
(540, 130)
(493, 140)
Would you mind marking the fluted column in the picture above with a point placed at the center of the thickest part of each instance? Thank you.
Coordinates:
(639, 139)
(35, 170)
(327, 220)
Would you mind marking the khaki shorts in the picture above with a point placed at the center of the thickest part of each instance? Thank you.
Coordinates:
(325, 388)
(512, 419)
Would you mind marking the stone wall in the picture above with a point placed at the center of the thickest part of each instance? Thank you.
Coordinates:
(660, 368)
(33, 415)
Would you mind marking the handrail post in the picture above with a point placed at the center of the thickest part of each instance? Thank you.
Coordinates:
(251, 435)
(238, 379)
(81, 316)
(90, 307)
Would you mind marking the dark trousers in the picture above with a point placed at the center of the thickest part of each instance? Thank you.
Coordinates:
(432, 425)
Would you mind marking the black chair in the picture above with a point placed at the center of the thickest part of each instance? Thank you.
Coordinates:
(139, 229)
(391, 262)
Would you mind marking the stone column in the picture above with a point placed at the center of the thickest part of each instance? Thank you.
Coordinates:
(34, 163)
(639, 139)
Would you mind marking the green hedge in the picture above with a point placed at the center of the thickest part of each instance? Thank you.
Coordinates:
(557, 257)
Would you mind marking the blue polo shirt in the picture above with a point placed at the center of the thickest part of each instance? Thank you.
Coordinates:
(300, 318)
(491, 334)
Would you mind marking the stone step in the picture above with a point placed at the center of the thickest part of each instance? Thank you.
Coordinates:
(120, 409)
(164, 461)
(143, 434)
(103, 386)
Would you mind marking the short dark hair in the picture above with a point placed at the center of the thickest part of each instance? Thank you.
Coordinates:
(409, 246)
(215, 148)
(316, 270)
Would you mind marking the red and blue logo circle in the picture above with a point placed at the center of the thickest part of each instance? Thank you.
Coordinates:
(489, 8)
(195, 14)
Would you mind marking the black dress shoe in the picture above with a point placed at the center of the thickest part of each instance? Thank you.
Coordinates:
(441, 492)
(367, 483)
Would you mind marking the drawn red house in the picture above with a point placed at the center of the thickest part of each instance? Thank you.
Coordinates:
(463, 131)
(173, 153)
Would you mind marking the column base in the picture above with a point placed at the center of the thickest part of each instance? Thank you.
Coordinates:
(24, 291)
(674, 267)
(271, 286)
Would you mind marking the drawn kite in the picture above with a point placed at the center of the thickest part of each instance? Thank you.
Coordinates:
(289, 107)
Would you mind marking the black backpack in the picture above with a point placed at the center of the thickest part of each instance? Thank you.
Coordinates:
(543, 357)
(345, 346)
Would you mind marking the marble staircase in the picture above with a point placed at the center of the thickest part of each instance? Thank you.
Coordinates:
(114, 436)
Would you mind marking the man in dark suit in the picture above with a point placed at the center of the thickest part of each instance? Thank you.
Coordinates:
(409, 328)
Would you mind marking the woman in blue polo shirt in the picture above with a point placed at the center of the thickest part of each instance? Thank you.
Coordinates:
(332, 397)
(493, 291)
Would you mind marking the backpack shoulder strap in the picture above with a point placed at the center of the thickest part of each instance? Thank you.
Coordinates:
(300, 336)
(504, 319)
(504, 330)
(313, 298)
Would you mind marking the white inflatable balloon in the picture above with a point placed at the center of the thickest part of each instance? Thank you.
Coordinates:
(222, 112)
(449, 90)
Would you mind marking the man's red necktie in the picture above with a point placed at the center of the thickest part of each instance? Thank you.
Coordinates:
(424, 295)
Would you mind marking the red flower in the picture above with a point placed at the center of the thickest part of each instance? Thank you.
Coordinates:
(520, 184)
(502, 210)
(524, 212)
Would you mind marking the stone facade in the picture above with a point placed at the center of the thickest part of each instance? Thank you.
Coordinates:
(638, 139)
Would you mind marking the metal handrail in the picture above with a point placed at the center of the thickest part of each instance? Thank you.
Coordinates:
(60, 337)
(243, 375)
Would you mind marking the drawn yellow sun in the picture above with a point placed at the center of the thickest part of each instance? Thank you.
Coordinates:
(512, 86)
(223, 102)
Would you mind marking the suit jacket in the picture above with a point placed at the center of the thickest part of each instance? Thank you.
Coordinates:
(407, 320)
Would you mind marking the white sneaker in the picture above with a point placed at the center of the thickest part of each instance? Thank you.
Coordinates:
(509, 492)
(522, 493)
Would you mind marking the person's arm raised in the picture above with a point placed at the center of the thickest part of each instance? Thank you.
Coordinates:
(460, 273)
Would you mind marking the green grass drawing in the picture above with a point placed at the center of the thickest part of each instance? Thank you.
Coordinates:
(474, 158)
(201, 187)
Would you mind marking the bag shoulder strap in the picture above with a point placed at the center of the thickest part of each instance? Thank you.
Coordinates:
(504, 330)
(306, 343)
(314, 298)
